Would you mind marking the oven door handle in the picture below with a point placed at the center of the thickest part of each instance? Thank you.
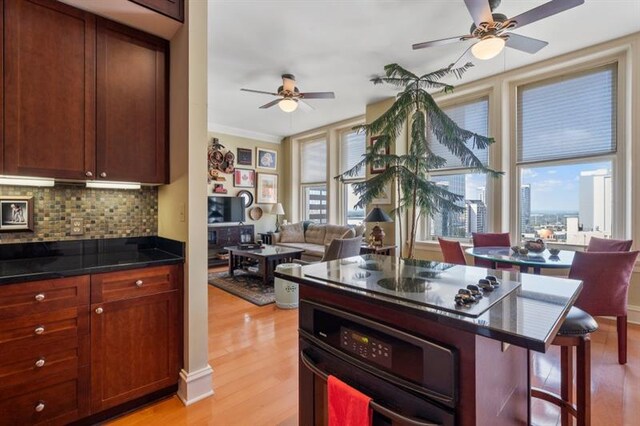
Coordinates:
(372, 404)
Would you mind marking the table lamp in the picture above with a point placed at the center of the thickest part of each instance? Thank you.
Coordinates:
(278, 210)
(377, 215)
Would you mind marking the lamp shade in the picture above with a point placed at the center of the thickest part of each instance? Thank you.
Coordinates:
(377, 215)
(277, 209)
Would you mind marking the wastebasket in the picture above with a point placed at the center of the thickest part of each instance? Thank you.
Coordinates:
(286, 291)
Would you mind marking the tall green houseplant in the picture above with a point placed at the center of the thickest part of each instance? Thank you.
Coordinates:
(410, 172)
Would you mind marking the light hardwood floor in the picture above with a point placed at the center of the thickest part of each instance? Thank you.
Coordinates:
(253, 351)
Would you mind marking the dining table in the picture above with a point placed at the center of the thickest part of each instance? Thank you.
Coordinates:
(536, 261)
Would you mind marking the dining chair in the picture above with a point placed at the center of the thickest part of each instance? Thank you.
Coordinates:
(491, 240)
(452, 252)
(605, 277)
(608, 245)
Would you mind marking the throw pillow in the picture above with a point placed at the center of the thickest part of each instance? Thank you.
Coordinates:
(292, 233)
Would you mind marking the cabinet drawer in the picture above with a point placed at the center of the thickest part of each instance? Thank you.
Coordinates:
(42, 329)
(133, 283)
(43, 296)
(57, 400)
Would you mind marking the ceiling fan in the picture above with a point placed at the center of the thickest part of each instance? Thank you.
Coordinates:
(289, 97)
(493, 30)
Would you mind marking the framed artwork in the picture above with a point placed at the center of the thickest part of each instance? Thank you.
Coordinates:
(267, 190)
(266, 158)
(375, 167)
(16, 214)
(244, 178)
(384, 197)
(245, 157)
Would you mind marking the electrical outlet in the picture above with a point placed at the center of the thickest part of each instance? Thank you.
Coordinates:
(77, 226)
(182, 212)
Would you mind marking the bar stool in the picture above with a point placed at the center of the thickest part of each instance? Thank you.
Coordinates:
(574, 332)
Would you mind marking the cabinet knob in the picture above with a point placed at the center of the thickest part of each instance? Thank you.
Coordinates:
(40, 363)
(99, 311)
(40, 297)
(103, 175)
(39, 330)
(39, 407)
(139, 283)
(88, 174)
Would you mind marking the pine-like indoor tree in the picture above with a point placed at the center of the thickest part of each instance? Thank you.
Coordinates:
(417, 195)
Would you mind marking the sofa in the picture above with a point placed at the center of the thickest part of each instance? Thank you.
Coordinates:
(313, 238)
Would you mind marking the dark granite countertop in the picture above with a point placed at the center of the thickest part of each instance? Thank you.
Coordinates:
(527, 312)
(36, 261)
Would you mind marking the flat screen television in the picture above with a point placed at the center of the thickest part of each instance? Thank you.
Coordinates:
(225, 209)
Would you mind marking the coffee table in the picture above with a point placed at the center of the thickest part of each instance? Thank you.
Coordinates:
(267, 257)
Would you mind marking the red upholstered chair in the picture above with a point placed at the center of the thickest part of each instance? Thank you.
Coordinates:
(608, 245)
(606, 279)
(452, 252)
(491, 240)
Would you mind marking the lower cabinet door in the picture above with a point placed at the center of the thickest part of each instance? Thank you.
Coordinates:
(134, 348)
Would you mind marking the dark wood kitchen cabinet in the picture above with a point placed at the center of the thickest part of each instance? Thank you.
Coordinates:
(171, 8)
(84, 97)
(49, 89)
(131, 108)
(135, 334)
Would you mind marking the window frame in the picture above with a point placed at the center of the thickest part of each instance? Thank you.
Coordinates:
(304, 185)
(343, 194)
(620, 214)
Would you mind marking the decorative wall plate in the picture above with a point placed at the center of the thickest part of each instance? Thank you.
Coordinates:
(247, 196)
(255, 213)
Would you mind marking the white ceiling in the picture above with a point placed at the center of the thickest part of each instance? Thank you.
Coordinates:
(338, 46)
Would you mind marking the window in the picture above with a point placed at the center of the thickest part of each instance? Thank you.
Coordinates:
(352, 148)
(473, 116)
(313, 178)
(566, 156)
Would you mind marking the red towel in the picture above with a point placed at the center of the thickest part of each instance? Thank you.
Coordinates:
(347, 406)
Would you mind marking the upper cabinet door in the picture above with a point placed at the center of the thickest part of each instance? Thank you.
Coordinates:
(131, 105)
(49, 90)
(171, 8)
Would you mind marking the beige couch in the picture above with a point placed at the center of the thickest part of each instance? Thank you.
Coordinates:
(313, 238)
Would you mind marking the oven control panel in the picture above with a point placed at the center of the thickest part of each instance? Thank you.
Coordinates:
(366, 347)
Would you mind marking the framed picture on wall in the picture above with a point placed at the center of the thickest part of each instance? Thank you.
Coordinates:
(244, 178)
(16, 214)
(266, 158)
(245, 157)
(378, 167)
(384, 197)
(267, 190)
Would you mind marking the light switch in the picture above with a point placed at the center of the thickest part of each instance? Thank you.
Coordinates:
(77, 226)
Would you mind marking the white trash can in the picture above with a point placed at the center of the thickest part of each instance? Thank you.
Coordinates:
(286, 291)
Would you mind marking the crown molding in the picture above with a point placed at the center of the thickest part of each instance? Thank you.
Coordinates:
(234, 131)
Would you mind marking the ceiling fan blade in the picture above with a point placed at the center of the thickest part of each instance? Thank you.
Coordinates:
(270, 104)
(525, 44)
(259, 91)
(465, 54)
(544, 11)
(305, 106)
(480, 11)
(437, 42)
(288, 83)
(318, 95)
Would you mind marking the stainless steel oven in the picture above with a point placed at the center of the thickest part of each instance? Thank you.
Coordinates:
(411, 381)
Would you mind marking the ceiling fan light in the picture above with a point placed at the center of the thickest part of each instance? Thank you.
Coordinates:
(488, 47)
(288, 105)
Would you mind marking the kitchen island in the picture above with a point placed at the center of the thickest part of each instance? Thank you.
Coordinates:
(392, 329)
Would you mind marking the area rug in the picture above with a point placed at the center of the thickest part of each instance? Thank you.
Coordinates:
(246, 286)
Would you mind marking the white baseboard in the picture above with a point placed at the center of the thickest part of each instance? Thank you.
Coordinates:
(195, 386)
(633, 314)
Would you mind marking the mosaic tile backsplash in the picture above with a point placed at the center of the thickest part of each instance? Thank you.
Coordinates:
(107, 213)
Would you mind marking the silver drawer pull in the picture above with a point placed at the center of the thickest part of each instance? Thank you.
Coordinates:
(99, 311)
(139, 283)
(39, 330)
(40, 406)
(40, 297)
(40, 363)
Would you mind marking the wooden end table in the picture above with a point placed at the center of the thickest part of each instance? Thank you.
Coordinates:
(267, 259)
(387, 250)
